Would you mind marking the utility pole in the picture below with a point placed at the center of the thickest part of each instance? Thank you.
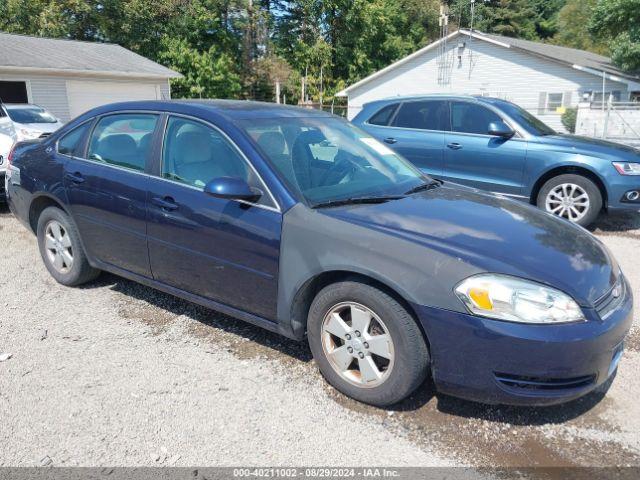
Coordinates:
(473, 13)
(321, 91)
(604, 87)
(304, 85)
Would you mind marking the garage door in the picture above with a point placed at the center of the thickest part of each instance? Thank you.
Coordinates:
(84, 96)
(13, 92)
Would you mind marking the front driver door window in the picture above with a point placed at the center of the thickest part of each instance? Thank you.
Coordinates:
(475, 158)
(195, 154)
(223, 250)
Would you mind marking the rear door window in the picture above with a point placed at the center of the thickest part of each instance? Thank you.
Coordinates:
(423, 115)
(383, 116)
(123, 140)
(71, 144)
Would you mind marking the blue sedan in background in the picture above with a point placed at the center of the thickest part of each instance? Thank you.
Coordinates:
(301, 223)
(498, 146)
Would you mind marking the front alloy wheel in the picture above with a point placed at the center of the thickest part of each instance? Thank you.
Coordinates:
(568, 200)
(365, 343)
(571, 196)
(357, 344)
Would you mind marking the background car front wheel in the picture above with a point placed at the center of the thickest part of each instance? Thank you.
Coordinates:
(573, 197)
(61, 250)
(366, 344)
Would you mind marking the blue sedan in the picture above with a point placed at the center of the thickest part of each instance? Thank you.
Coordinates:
(298, 222)
(494, 145)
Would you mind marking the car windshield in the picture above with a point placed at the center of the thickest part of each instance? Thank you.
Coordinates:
(528, 121)
(327, 160)
(29, 114)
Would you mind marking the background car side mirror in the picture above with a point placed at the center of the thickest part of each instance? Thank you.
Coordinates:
(232, 188)
(501, 129)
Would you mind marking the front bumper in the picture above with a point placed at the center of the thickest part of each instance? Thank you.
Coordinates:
(618, 187)
(498, 362)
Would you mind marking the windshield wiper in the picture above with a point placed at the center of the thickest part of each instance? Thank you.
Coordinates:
(357, 200)
(424, 186)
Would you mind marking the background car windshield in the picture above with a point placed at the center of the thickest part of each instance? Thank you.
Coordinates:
(528, 121)
(328, 159)
(30, 115)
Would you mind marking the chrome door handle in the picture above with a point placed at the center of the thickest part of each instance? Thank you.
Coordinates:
(166, 203)
(75, 177)
(454, 146)
(390, 140)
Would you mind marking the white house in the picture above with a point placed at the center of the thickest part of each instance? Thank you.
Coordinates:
(69, 77)
(542, 78)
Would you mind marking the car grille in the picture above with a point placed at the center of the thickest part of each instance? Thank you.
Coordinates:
(612, 299)
(544, 384)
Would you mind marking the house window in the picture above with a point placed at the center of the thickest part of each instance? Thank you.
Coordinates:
(616, 95)
(554, 101)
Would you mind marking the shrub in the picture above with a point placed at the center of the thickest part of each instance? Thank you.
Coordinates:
(569, 119)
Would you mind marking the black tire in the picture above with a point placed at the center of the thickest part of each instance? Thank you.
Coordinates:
(410, 354)
(80, 271)
(587, 185)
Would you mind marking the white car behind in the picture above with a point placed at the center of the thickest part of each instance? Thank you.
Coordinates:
(20, 122)
(7, 138)
(31, 121)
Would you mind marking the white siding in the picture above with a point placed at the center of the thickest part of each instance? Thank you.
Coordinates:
(497, 71)
(165, 90)
(85, 94)
(50, 91)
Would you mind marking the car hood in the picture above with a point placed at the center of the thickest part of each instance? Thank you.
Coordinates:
(591, 146)
(496, 235)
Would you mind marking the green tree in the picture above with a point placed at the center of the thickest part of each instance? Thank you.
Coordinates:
(573, 27)
(207, 74)
(77, 19)
(528, 19)
(619, 22)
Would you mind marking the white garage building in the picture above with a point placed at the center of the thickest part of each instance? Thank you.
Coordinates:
(542, 78)
(69, 77)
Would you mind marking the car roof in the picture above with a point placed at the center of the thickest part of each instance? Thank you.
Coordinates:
(429, 96)
(232, 109)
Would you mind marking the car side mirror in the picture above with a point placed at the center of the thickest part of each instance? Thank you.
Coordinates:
(500, 129)
(232, 188)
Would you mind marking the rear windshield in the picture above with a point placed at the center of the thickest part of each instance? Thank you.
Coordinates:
(30, 115)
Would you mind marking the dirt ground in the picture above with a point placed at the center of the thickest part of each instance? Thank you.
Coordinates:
(118, 374)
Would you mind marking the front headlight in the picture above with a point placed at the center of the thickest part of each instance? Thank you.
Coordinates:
(515, 300)
(625, 168)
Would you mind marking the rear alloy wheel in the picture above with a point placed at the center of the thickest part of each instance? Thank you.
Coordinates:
(61, 249)
(573, 197)
(366, 344)
(58, 247)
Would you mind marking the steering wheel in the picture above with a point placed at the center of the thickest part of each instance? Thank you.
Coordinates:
(343, 165)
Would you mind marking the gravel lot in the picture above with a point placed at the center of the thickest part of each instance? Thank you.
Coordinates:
(118, 374)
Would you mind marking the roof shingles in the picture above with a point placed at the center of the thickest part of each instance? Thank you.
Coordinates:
(20, 51)
(571, 56)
